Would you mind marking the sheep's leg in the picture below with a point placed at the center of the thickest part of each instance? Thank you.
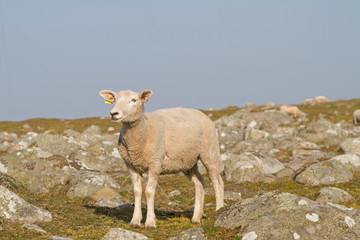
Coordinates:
(136, 179)
(199, 184)
(212, 164)
(150, 197)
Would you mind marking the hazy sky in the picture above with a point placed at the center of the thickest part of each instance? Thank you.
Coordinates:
(55, 56)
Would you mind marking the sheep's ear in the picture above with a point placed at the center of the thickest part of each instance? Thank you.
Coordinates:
(108, 95)
(145, 95)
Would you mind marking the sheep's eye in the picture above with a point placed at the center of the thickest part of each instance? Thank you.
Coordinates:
(133, 100)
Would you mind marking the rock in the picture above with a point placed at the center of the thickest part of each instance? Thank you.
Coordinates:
(289, 143)
(33, 227)
(59, 238)
(90, 136)
(192, 233)
(110, 203)
(56, 144)
(352, 161)
(286, 172)
(71, 133)
(249, 167)
(16, 209)
(321, 132)
(351, 145)
(87, 183)
(228, 137)
(261, 145)
(251, 133)
(315, 154)
(258, 120)
(327, 172)
(101, 156)
(334, 195)
(174, 193)
(230, 195)
(119, 233)
(105, 193)
(300, 163)
(279, 215)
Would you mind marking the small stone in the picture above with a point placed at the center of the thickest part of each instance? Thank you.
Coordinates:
(119, 233)
(250, 236)
(302, 202)
(349, 221)
(110, 129)
(312, 217)
(296, 236)
(26, 126)
(174, 193)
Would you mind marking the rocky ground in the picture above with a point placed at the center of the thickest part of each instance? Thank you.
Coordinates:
(286, 177)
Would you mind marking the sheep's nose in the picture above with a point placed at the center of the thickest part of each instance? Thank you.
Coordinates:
(113, 114)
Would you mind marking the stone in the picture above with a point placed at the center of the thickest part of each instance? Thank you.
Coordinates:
(251, 133)
(192, 233)
(105, 193)
(55, 144)
(249, 167)
(352, 161)
(327, 172)
(33, 227)
(230, 195)
(321, 132)
(16, 209)
(228, 137)
(110, 203)
(350, 146)
(334, 195)
(119, 233)
(87, 183)
(281, 215)
(286, 172)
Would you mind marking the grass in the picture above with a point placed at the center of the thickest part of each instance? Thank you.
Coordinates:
(79, 218)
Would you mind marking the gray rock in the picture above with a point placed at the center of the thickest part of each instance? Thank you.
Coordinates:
(230, 195)
(334, 195)
(56, 144)
(315, 154)
(254, 145)
(87, 183)
(33, 227)
(102, 156)
(251, 133)
(279, 215)
(110, 203)
(249, 167)
(258, 120)
(16, 209)
(119, 233)
(286, 172)
(192, 233)
(352, 161)
(321, 132)
(228, 137)
(351, 146)
(327, 172)
(289, 143)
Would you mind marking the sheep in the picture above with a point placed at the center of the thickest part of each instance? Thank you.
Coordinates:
(162, 142)
(356, 116)
(292, 110)
(315, 100)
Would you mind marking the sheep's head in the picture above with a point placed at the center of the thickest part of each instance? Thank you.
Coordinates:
(128, 105)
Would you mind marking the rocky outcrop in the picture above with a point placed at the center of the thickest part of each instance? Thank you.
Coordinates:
(281, 215)
(16, 209)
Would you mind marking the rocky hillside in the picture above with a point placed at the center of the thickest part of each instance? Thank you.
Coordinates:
(288, 175)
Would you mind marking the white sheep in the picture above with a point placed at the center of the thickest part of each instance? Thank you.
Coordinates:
(165, 141)
(356, 116)
(292, 110)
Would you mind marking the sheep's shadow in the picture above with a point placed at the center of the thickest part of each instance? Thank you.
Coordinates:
(124, 212)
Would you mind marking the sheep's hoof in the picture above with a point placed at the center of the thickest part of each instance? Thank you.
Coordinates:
(135, 224)
(151, 225)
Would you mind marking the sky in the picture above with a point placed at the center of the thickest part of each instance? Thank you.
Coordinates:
(55, 56)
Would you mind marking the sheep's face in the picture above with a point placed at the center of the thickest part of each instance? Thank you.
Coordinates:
(128, 105)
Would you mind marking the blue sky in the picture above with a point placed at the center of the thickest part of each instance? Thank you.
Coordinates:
(55, 56)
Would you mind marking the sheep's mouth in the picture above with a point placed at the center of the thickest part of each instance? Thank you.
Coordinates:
(116, 120)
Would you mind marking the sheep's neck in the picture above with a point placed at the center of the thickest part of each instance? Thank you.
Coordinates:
(134, 136)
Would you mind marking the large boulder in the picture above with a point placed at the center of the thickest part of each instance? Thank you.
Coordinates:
(279, 215)
(228, 137)
(334, 195)
(16, 209)
(321, 132)
(249, 167)
(325, 173)
(350, 145)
